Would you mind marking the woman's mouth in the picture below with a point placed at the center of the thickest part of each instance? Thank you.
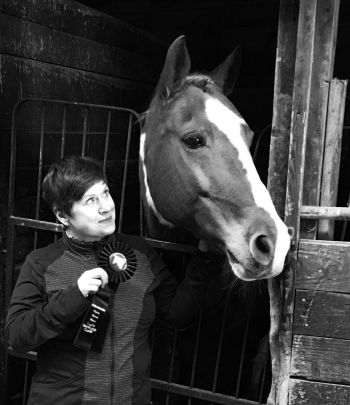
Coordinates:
(108, 219)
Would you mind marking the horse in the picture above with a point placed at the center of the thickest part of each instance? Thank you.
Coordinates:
(197, 174)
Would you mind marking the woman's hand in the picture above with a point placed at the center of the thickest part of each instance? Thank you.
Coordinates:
(91, 280)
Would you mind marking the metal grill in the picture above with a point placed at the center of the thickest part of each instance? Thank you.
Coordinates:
(45, 130)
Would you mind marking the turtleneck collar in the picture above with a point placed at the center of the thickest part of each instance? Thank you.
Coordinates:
(82, 247)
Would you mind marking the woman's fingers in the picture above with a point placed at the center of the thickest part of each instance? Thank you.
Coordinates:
(91, 280)
(98, 273)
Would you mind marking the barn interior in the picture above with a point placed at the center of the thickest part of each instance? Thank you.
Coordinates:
(110, 52)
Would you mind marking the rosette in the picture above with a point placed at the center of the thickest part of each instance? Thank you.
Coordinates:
(118, 260)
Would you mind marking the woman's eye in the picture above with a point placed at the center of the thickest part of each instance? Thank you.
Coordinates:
(193, 141)
(90, 200)
(106, 193)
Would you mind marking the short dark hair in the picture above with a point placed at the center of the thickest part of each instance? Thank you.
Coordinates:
(68, 180)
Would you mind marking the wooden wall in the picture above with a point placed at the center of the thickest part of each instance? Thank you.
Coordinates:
(63, 50)
(321, 351)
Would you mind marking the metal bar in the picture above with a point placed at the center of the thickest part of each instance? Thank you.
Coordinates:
(241, 362)
(35, 224)
(262, 383)
(11, 230)
(63, 143)
(178, 247)
(313, 212)
(25, 388)
(31, 355)
(221, 339)
(58, 132)
(195, 354)
(198, 393)
(63, 131)
(172, 362)
(126, 160)
(88, 105)
(83, 148)
(40, 170)
(108, 133)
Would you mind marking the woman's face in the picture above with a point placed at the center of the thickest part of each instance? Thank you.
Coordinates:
(93, 217)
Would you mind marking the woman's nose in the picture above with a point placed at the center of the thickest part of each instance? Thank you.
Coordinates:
(106, 205)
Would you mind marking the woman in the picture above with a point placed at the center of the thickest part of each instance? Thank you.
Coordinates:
(62, 296)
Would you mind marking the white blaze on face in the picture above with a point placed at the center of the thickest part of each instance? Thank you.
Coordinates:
(230, 124)
(149, 198)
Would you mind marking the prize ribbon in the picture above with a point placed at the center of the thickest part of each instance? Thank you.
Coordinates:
(118, 260)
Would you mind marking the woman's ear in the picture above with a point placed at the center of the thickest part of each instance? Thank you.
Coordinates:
(62, 217)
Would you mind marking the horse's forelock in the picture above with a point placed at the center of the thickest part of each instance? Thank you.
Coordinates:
(159, 102)
(199, 80)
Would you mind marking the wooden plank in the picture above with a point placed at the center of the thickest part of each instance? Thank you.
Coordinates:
(282, 103)
(321, 359)
(76, 19)
(279, 392)
(34, 41)
(28, 78)
(323, 265)
(314, 393)
(332, 308)
(332, 151)
(321, 55)
(278, 165)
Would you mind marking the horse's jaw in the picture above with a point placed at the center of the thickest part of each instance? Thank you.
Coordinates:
(246, 274)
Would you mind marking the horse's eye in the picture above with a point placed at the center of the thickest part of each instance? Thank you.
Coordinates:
(193, 141)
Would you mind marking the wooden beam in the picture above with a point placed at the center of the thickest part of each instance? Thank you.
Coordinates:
(321, 359)
(295, 173)
(282, 103)
(277, 178)
(323, 265)
(332, 152)
(332, 308)
(320, 35)
(303, 392)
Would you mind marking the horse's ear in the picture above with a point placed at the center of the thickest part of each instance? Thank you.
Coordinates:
(176, 67)
(225, 75)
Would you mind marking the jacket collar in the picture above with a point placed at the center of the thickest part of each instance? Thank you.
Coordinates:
(85, 248)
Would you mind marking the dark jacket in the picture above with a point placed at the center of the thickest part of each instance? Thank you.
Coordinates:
(47, 309)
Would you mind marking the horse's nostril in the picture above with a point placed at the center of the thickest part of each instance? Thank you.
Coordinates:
(261, 249)
(263, 244)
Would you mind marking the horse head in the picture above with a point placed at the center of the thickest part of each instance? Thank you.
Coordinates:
(197, 173)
